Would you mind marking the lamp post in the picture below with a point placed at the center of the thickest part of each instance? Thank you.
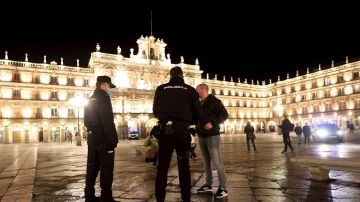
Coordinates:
(6, 132)
(78, 102)
(279, 110)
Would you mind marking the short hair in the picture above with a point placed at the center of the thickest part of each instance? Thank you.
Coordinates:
(176, 72)
(204, 86)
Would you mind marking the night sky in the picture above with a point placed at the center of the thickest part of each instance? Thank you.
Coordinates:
(258, 41)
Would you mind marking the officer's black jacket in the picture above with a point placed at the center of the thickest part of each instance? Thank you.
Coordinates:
(177, 101)
(98, 116)
(215, 113)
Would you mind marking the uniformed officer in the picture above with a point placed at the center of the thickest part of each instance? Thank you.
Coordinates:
(102, 140)
(176, 105)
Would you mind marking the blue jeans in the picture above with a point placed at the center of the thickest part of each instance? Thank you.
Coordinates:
(210, 151)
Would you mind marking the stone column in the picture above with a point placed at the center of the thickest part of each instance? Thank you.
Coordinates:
(46, 135)
(62, 134)
(6, 135)
(27, 138)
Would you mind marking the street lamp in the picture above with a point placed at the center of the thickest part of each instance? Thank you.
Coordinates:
(279, 110)
(6, 132)
(78, 102)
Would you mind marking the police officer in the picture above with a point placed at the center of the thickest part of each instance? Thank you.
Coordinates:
(176, 105)
(102, 140)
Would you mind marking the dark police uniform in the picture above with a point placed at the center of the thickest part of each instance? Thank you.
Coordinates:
(102, 140)
(176, 105)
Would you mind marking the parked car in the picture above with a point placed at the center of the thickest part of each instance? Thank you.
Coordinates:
(133, 135)
(328, 132)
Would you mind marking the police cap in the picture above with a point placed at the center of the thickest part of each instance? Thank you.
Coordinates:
(105, 79)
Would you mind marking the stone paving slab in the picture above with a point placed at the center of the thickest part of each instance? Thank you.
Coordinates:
(56, 172)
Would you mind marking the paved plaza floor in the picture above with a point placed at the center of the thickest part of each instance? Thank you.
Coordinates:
(56, 172)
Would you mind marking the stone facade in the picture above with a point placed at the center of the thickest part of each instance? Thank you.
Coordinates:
(35, 107)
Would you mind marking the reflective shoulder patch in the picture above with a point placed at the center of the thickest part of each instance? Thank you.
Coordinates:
(179, 87)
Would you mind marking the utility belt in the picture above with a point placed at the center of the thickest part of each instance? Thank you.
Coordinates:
(168, 126)
(94, 131)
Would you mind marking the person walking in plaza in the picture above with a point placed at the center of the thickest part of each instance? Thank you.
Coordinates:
(250, 135)
(209, 139)
(176, 106)
(307, 133)
(286, 127)
(102, 140)
(298, 132)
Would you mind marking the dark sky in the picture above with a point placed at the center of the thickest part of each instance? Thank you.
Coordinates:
(253, 41)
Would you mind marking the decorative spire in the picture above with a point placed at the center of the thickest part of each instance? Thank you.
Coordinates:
(224, 78)
(239, 80)
(97, 47)
(297, 72)
(26, 57)
(245, 80)
(278, 77)
(181, 59)
(231, 78)
(332, 63)
(287, 76)
(319, 67)
(270, 81)
(252, 81)
(131, 52)
(215, 77)
(118, 50)
(347, 59)
(168, 56)
(257, 82)
(196, 61)
(263, 83)
(207, 75)
(62, 61)
(307, 70)
(6, 55)
(77, 62)
(44, 59)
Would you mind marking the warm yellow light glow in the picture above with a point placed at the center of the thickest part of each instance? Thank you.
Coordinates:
(45, 95)
(46, 112)
(92, 82)
(78, 101)
(348, 89)
(63, 112)
(347, 76)
(225, 91)
(288, 89)
(320, 82)
(6, 112)
(6, 93)
(6, 75)
(26, 112)
(25, 94)
(79, 81)
(62, 80)
(26, 77)
(62, 95)
(333, 92)
(44, 78)
(121, 79)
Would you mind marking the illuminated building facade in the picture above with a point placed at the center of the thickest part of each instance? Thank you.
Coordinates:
(35, 107)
